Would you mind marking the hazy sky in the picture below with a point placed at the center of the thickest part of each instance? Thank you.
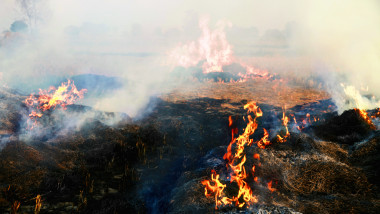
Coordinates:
(164, 13)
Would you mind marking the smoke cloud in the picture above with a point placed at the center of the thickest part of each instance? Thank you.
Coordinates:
(126, 44)
(343, 39)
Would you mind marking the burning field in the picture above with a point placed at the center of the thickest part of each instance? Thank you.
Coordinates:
(275, 111)
(190, 154)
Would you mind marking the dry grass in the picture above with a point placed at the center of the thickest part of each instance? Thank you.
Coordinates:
(332, 150)
(274, 93)
(326, 178)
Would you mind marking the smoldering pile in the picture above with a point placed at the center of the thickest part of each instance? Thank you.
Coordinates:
(157, 164)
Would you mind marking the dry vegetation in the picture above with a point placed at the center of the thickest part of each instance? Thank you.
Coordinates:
(157, 164)
(275, 93)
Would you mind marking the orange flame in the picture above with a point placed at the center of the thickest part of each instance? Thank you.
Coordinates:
(270, 186)
(366, 118)
(66, 94)
(256, 156)
(213, 49)
(38, 206)
(217, 188)
(235, 163)
(377, 114)
(264, 141)
(285, 121)
(305, 121)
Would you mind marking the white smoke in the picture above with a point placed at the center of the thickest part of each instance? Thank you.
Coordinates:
(343, 37)
(119, 39)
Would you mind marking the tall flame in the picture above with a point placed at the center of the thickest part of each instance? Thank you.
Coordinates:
(212, 47)
(236, 158)
(214, 51)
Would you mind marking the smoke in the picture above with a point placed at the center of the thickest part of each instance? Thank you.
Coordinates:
(122, 65)
(336, 41)
(212, 47)
(343, 40)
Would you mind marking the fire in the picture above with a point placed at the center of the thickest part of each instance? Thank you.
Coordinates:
(256, 156)
(234, 129)
(34, 114)
(15, 206)
(377, 114)
(270, 186)
(212, 47)
(65, 95)
(214, 51)
(217, 188)
(365, 117)
(38, 206)
(285, 121)
(305, 122)
(236, 158)
(264, 142)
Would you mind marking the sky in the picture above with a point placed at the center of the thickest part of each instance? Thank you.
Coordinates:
(165, 13)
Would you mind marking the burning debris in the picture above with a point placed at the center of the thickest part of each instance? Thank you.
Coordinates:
(162, 163)
(197, 143)
(269, 158)
(236, 159)
(64, 95)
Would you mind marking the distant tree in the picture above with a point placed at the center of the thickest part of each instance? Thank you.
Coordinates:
(19, 26)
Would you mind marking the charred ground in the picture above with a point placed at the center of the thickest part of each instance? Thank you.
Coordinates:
(156, 164)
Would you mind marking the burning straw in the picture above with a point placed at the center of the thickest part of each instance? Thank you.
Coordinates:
(236, 158)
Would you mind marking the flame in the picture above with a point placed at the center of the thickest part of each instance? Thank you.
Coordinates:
(34, 114)
(15, 206)
(38, 206)
(356, 100)
(377, 114)
(264, 141)
(308, 117)
(285, 121)
(213, 49)
(256, 179)
(363, 114)
(305, 122)
(217, 188)
(65, 95)
(234, 130)
(269, 185)
(253, 73)
(236, 159)
(256, 156)
(360, 103)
